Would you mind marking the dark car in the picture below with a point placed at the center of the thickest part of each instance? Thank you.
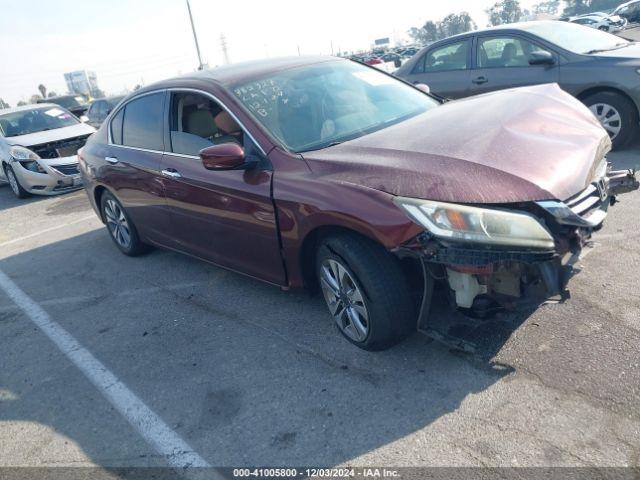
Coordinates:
(100, 108)
(323, 172)
(76, 104)
(600, 69)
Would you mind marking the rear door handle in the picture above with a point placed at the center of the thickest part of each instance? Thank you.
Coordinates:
(480, 80)
(112, 160)
(171, 173)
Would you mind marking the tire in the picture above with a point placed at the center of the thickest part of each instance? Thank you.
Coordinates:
(381, 291)
(603, 104)
(14, 183)
(120, 226)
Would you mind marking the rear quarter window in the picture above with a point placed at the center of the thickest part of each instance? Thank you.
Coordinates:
(116, 127)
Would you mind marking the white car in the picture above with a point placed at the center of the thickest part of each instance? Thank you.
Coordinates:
(38, 149)
(601, 21)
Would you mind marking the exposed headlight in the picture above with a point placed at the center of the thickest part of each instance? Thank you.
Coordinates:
(21, 153)
(33, 166)
(480, 225)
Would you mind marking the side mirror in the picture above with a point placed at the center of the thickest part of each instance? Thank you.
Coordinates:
(226, 156)
(540, 57)
(84, 118)
(423, 88)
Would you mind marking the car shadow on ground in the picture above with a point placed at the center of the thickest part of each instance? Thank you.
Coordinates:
(250, 374)
(8, 200)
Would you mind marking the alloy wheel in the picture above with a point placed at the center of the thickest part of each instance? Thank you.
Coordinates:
(117, 223)
(609, 118)
(345, 300)
(13, 181)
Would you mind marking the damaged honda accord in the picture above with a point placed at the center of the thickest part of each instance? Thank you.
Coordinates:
(323, 173)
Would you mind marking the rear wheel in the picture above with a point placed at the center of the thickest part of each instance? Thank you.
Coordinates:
(121, 229)
(366, 291)
(617, 115)
(14, 183)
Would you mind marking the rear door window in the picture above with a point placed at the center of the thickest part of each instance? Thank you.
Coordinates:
(454, 56)
(143, 122)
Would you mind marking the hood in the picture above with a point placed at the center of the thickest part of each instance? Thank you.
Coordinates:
(525, 144)
(54, 135)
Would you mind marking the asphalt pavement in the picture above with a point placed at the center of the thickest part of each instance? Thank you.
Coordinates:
(246, 374)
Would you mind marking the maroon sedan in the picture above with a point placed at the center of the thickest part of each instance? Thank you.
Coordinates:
(329, 174)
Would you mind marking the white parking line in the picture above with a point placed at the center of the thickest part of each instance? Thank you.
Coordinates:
(152, 428)
(47, 230)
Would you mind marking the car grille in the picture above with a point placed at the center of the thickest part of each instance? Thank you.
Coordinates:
(71, 169)
(590, 199)
(60, 148)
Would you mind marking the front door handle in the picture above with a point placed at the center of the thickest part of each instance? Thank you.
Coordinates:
(112, 160)
(480, 80)
(171, 173)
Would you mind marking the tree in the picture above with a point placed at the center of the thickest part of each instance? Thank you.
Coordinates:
(428, 33)
(43, 90)
(52, 94)
(549, 7)
(505, 11)
(4, 104)
(452, 24)
(578, 7)
(21, 103)
(34, 98)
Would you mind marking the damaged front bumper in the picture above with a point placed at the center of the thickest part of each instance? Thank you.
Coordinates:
(487, 277)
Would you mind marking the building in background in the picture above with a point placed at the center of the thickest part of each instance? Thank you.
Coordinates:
(83, 82)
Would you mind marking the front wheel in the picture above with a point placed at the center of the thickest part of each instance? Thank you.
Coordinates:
(366, 291)
(14, 183)
(617, 115)
(121, 229)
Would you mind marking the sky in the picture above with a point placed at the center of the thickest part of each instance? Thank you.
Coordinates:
(127, 42)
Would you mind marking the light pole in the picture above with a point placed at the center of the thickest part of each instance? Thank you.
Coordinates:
(195, 37)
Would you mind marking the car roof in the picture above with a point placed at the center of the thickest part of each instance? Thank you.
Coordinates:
(31, 106)
(507, 27)
(244, 71)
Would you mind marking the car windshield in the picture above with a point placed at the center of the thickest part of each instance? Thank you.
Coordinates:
(313, 107)
(35, 120)
(575, 38)
(68, 102)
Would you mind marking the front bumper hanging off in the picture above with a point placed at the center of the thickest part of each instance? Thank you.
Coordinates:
(482, 279)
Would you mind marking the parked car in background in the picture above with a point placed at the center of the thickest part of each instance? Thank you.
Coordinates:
(100, 108)
(630, 11)
(602, 21)
(38, 149)
(323, 172)
(600, 69)
(76, 104)
(373, 60)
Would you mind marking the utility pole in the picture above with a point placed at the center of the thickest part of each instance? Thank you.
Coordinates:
(195, 37)
(225, 49)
